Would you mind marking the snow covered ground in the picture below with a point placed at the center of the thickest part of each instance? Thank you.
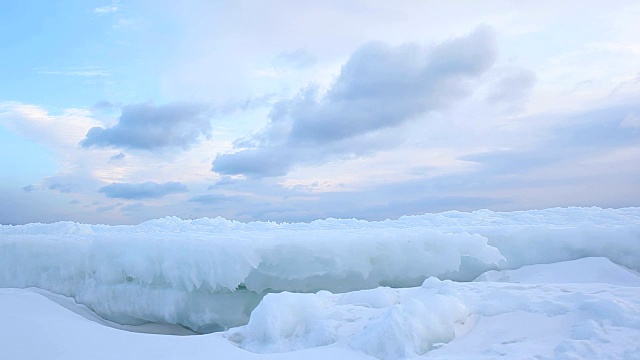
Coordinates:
(549, 284)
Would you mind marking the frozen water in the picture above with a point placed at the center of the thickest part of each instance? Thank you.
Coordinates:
(549, 284)
(518, 316)
(209, 274)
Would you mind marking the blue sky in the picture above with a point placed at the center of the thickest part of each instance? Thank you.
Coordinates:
(119, 112)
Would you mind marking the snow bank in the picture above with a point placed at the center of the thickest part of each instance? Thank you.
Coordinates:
(209, 274)
(595, 270)
(391, 328)
(582, 320)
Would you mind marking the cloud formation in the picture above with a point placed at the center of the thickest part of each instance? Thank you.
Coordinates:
(147, 190)
(379, 87)
(574, 139)
(102, 106)
(151, 127)
(116, 157)
(108, 9)
(299, 58)
(208, 199)
(512, 85)
(63, 187)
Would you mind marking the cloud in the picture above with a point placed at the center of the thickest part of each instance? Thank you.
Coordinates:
(133, 207)
(379, 87)
(572, 139)
(150, 127)
(102, 106)
(297, 59)
(632, 121)
(255, 162)
(102, 209)
(209, 199)
(249, 103)
(29, 188)
(63, 188)
(81, 71)
(147, 190)
(116, 157)
(34, 122)
(105, 9)
(512, 86)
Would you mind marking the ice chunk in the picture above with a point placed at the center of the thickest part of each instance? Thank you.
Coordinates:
(411, 328)
(285, 322)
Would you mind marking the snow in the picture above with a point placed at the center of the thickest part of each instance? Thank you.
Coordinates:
(33, 327)
(548, 284)
(600, 270)
(560, 315)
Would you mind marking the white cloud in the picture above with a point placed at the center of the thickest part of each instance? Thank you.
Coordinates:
(107, 9)
(631, 121)
(81, 71)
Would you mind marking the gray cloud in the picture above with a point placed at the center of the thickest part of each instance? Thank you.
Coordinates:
(512, 161)
(553, 167)
(116, 157)
(208, 199)
(575, 137)
(299, 58)
(29, 188)
(102, 106)
(133, 207)
(150, 127)
(513, 85)
(379, 87)
(63, 187)
(108, 208)
(384, 201)
(249, 103)
(255, 162)
(145, 190)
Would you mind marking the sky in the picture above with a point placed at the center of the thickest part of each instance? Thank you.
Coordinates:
(120, 112)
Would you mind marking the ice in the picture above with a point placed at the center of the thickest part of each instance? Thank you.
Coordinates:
(446, 319)
(285, 322)
(585, 270)
(33, 327)
(548, 284)
(209, 274)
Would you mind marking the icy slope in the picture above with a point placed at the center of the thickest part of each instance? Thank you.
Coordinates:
(209, 274)
(33, 327)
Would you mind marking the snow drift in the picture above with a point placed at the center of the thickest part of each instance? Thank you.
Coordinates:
(586, 315)
(209, 274)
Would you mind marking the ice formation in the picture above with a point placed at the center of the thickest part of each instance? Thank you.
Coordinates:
(587, 315)
(209, 274)
(581, 309)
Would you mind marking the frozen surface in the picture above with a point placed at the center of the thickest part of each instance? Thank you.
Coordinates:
(585, 270)
(566, 317)
(516, 318)
(33, 327)
(209, 274)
